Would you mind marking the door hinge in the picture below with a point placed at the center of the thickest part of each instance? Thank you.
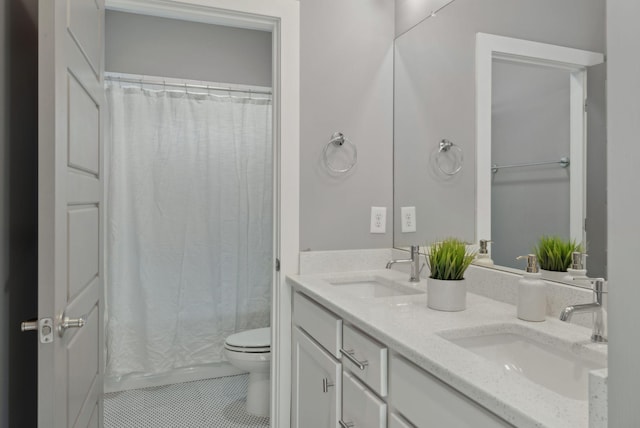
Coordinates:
(277, 265)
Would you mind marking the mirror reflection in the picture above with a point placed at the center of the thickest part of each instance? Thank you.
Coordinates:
(528, 162)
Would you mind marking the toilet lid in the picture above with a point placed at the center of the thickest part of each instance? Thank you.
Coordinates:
(257, 338)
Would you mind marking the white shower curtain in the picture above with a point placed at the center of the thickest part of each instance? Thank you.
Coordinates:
(189, 227)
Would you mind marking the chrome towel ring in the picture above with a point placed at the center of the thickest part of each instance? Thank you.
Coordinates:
(447, 150)
(338, 141)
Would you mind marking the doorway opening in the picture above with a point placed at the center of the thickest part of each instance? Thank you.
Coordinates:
(191, 224)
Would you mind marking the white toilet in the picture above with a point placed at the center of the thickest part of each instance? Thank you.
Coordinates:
(251, 351)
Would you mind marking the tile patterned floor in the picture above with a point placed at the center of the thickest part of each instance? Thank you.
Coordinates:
(209, 403)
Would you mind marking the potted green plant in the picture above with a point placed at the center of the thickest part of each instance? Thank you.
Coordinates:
(554, 255)
(446, 287)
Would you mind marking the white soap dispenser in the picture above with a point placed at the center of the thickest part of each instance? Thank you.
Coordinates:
(532, 296)
(577, 271)
(483, 258)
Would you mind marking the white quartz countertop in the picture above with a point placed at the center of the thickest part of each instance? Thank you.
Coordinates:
(409, 327)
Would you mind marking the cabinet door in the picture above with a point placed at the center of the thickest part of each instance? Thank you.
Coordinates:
(361, 408)
(317, 385)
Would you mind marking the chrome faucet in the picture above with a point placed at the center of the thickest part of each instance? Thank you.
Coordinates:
(598, 335)
(415, 263)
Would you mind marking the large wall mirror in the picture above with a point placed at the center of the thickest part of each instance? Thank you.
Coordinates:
(500, 127)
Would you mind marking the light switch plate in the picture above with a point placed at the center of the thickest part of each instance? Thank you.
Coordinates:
(408, 216)
(378, 219)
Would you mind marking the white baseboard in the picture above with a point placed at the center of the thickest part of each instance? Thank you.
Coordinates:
(188, 374)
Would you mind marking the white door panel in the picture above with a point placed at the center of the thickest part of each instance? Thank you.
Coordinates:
(82, 363)
(85, 25)
(70, 211)
(84, 126)
(84, 247)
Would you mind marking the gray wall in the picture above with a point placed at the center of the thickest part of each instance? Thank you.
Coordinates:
(346, 81)
(346, 85)
(148, 45)
(623, 41)
(411, 12)
(18, 210)
(435, 98)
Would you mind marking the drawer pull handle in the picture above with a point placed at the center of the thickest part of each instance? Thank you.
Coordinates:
(326, 385)
(349, 354)
(346, 424)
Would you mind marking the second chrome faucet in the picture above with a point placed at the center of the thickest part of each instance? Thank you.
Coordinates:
(415, 263)
(599, 334)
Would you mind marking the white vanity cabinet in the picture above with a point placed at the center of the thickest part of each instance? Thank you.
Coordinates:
(317, 371)
(339, 373)
(317, 385)
(344, 378)
(428, 402)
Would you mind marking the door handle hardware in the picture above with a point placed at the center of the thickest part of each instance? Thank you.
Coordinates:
(44, 327)
(326, 385)
(349, 354)
(30, 325)
(346, 424)
(65, 323)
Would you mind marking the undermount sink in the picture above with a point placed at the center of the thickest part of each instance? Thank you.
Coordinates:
(373, 287)
(554, 367)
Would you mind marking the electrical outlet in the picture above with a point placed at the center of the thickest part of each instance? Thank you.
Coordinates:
(378, 219)
(408, 216)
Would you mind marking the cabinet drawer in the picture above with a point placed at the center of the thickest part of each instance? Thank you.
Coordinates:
(396, 421)
(371, 354)
(428, 402)
(360, 407)
(323, 326)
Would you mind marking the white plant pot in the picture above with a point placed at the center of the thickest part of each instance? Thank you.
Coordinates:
(448, 296)
(553, 275)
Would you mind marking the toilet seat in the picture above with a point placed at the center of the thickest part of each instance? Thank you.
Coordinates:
(247, 350)
(256, 341)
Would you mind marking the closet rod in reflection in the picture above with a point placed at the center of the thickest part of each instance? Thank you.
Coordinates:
(564, 162)
(157, 82)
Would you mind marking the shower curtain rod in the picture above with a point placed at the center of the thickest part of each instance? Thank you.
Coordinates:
(158, 82)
